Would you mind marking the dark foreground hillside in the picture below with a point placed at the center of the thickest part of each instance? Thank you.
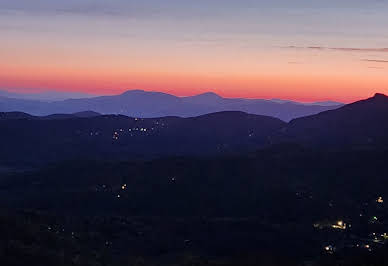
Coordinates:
(282, 206)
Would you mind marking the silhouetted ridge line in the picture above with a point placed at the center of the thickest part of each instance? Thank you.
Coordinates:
(362, 124)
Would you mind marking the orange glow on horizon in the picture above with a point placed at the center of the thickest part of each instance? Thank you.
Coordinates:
(300, 83)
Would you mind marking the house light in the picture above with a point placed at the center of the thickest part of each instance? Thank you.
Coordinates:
(380, 200)
(339, 225)
(330, 249)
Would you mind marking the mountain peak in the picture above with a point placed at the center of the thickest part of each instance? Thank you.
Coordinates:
(132, 92)
(380, 96)
(209, 95)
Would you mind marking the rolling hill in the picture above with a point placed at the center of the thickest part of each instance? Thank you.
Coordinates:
(362, 124)
(21, 115)
(26, 138)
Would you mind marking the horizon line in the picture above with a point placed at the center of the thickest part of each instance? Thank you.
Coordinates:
(37, 91)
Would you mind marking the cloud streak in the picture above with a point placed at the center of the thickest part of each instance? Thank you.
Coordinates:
(375, 60)
(371, 67)
(343, 49)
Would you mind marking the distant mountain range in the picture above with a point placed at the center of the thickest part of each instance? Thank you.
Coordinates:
(138, 103)
(361, 125)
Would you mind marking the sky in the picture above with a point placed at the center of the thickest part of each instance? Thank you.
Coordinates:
(304, 50)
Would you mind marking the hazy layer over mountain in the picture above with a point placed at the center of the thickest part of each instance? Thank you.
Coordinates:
(48, 96)
(138, 103)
